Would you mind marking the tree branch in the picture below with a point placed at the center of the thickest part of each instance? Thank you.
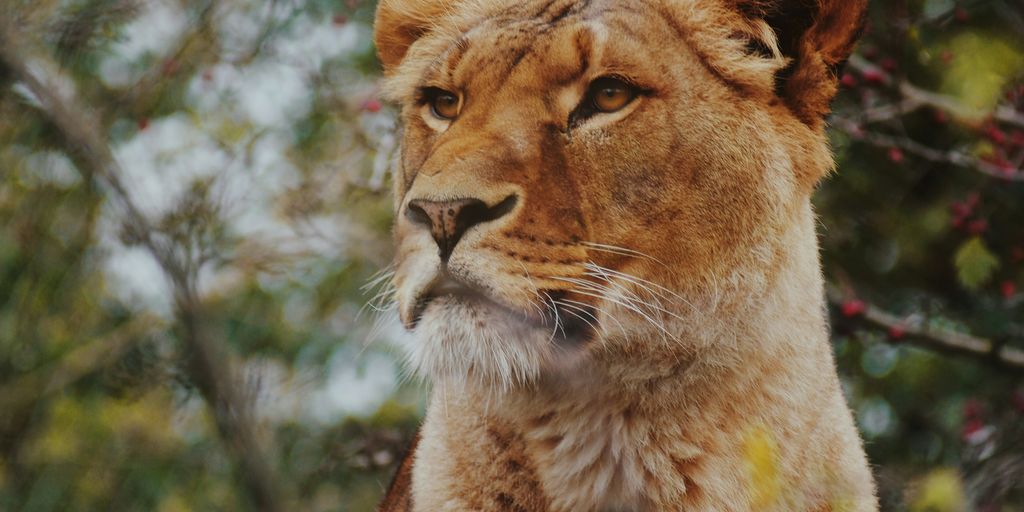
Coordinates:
(83, 139)
(856, 132)
(918, 332)
(86, 358)
(916, 97)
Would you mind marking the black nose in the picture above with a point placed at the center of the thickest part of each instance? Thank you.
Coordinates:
(449, 220)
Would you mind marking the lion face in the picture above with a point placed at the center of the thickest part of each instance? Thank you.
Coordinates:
(580, 175)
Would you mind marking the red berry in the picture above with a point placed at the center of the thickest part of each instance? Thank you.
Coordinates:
(372, 105)
(941, 117)
(1008, 289)
(339, 19)
(972, 427)
(896, 155)
(874, 77)
(171, 66)
(897, 332)
(961, 209)
(1001, 163)
(1017, 138)
(973, 409)
(977, 226)
(960, 14)
(143, 124)
(1017, 254)
(1017, 399)
(849, 81)
(852, 308)
(996, 135)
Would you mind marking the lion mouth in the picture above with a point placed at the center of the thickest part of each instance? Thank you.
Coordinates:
(568, 323)
(446, 288)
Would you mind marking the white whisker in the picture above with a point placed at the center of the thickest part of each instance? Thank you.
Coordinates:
(654, 308)
(640, 282)
(577, 315)
(599, 310)
(621, 251)
(536, 291)
(632, 308)
(558, 320)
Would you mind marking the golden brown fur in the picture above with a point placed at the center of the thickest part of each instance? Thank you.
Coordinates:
(643, 328)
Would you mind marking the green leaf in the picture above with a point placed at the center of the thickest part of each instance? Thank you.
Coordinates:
(983, 64)
(975, 264)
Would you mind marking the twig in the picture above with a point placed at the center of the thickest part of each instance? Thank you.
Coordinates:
(917, 97)
(923, 335)
(156, 77)
(855, 131)
(88, 357)
(83, 140)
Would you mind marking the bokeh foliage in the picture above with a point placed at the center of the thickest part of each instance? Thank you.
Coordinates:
(253, 141)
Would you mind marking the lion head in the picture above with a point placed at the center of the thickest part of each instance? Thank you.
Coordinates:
(582, 178)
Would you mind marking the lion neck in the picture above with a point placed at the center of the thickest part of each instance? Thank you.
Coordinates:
(599, 421)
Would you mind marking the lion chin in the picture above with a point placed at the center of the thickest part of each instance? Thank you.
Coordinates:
(462, 335)
(460, 339)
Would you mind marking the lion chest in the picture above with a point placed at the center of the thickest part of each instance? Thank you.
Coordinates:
(606, 459)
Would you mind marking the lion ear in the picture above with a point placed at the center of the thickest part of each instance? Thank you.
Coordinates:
(818, 35)
(399, 23)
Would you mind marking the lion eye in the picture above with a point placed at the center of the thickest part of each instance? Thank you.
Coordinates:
(443, 104)
(610, 94)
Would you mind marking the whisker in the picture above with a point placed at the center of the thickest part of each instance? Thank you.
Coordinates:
(639, 281)
(655, 308)
(632, 308)
(571, 309)
(533, 285)
(376, 329)
(621, 327)
(631, 298)
(378, 277)
(381, 279)
(621, 251)
(558, 320)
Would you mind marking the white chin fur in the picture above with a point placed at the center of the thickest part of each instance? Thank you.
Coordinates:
(459, 339)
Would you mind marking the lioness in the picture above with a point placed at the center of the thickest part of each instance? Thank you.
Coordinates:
(607, 254)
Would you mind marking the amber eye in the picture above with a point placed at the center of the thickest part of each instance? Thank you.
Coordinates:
(611, 94)
(443, 104)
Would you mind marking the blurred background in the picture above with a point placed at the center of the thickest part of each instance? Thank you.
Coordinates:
(194, 206)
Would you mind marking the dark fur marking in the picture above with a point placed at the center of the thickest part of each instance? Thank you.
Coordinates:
(758, 48)
(399, 495)
(680, 32)
(545, 241)
(513, 466)
(502, 440)
(552, 442)
(517, 58)
(507, 502)
(543, 419)
(539, 13)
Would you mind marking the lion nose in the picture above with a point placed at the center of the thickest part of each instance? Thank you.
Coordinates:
(449, 220)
